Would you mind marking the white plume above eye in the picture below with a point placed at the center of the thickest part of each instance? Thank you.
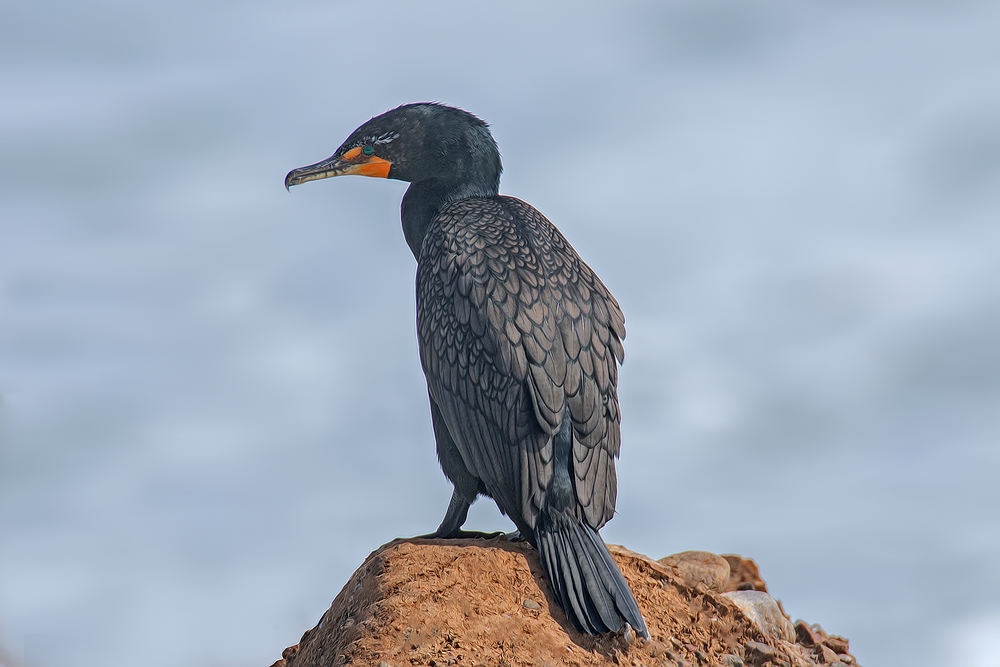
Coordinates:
(386, 138)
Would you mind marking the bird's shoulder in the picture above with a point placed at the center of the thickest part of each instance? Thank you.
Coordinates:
(511, 235)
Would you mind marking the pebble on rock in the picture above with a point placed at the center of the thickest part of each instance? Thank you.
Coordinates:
(838, 644)
(827, 655)
(531, 604)
(730, 660)
(805, 635)
(759, 653)
(700, 567)
(743, 571)
(763, 612)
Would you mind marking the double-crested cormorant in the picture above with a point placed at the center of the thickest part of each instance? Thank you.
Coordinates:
(520, 342)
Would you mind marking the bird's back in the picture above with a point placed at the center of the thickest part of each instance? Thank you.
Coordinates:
(516, 332)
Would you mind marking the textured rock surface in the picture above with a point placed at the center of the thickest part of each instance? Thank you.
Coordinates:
(700, 567)
(484, 602)
(743, 574)
(764, 613)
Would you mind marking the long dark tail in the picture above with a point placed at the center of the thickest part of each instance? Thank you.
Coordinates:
(586, 580)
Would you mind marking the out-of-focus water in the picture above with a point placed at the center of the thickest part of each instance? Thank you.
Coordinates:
(212, 408)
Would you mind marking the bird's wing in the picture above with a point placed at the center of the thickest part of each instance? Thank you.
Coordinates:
(515, 330)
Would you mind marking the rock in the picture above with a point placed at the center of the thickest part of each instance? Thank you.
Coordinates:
(427, 602)
(827, 655)
(700, 567)
(759, 653)
(763, 612)
(743, 574)
(825, 649)
(805, 635)
(838, 644)
(656, 649)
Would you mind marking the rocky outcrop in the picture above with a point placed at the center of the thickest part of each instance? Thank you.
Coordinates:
(485, 602)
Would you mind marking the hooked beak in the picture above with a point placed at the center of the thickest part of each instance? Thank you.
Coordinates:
(361, 165)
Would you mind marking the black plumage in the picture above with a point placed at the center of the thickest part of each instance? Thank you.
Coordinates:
(520, 342)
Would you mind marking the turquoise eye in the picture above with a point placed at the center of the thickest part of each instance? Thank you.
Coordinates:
(368, 150)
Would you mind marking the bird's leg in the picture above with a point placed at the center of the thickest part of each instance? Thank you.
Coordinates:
(467, 485)
(454, 518)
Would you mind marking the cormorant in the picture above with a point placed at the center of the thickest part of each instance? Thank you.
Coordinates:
(520, 342)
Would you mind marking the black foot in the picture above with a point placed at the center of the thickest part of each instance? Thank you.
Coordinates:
(461, 535)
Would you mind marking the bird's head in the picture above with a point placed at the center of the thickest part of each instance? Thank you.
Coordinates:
(414, 143)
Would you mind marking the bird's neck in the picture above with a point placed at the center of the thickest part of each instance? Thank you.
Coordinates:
(425, 199)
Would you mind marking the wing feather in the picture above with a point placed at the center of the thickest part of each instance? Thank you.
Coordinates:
(516, 333)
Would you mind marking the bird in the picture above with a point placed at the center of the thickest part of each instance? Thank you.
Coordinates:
(520, 344)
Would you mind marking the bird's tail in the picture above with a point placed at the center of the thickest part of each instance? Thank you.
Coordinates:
(586, 580)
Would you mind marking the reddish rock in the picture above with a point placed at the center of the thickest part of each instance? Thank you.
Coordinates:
(805, 635)
(700, 567)
(838, 644)
(827, 656)
(743, 574)
(469, 602)
(759, 653)
(764, 612)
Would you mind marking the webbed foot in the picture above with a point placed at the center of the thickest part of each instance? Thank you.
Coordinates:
(459, 534)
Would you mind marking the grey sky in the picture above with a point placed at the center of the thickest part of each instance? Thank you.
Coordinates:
(212, 408)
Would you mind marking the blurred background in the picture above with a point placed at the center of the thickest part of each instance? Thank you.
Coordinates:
(211, 407)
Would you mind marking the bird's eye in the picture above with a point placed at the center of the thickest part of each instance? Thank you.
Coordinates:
(368, 150)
